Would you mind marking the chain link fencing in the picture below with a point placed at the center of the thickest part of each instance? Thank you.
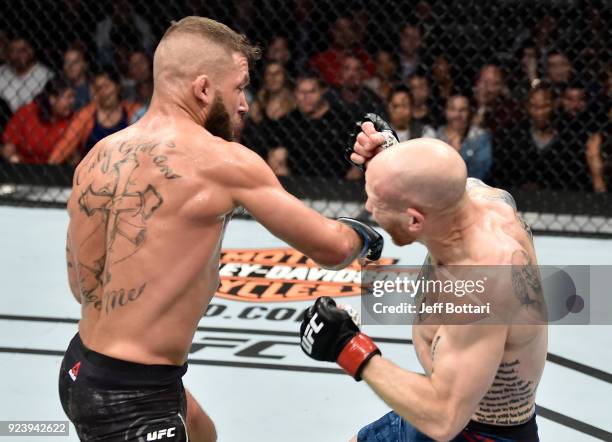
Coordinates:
(522, 89)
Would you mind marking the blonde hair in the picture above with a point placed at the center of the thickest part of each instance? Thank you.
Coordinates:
(217, 33)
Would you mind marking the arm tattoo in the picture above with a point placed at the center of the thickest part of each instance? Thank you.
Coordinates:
(525, 226)
(433, 352)
(426, 274)
(526, 281)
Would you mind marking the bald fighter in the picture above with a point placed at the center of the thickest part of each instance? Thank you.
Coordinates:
(148, 210)
(480, 379)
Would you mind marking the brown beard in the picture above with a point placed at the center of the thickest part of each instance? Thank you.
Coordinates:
(218, 121)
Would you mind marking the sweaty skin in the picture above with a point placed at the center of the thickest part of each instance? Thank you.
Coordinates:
(150, 203)
(489, 371)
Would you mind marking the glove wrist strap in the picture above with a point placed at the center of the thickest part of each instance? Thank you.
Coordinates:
(356, 353)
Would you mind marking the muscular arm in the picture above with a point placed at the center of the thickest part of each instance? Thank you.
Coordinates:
(465, 361)
(254, 186)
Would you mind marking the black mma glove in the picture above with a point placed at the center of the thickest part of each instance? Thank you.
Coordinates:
(381, 126)
(328, 333)
(373, 241)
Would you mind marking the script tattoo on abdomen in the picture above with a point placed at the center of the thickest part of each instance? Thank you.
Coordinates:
(509, 401)
(125, 204)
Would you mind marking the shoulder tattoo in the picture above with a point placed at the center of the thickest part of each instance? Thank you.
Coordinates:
(526, 281)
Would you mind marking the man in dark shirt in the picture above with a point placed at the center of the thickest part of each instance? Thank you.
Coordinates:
(353, 96)
(535, 155)
(496, 110)
(575, 124)
(311, 138)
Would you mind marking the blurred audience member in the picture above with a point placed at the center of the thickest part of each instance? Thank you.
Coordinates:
(536, 156)
(105, 115)
(471, 141)
(344, 42)
(272, 102)
(122, 30)
(313, 136)
(529, 65)
(443, 80)
(425, 16)
(386, 76)
(275, 99)
(576, 124)
(141, 83)
(496, 111)
(22, 78)
(545, 35)
(399, 110)
(559, 72)
(76, 70)
(352, 95)
(425, 108)
(524, 71)
(410, 50)
(573, 101)
(278, 51)
(33, 131)
(541, 37)
(305, 33)
(139, 88)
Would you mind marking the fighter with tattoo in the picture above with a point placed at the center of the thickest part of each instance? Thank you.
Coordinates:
(148, 211)
(480, 376)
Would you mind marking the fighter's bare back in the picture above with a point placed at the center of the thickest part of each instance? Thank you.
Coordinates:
(148, 209)
(146, 223)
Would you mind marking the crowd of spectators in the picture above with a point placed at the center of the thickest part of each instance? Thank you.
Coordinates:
(534, 115)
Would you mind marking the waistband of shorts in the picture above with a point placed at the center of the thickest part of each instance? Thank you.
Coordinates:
(125, 371)
(527, 431)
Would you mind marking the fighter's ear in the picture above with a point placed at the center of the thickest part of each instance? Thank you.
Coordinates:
(202, 89)
(416, 219)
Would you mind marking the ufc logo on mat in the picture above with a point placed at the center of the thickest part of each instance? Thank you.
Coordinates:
(157, 435)
(311, 328)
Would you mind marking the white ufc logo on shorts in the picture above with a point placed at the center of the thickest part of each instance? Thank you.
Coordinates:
(157, 435)
(311, 328)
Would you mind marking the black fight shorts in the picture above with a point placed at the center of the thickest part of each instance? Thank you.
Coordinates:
(112, 400)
